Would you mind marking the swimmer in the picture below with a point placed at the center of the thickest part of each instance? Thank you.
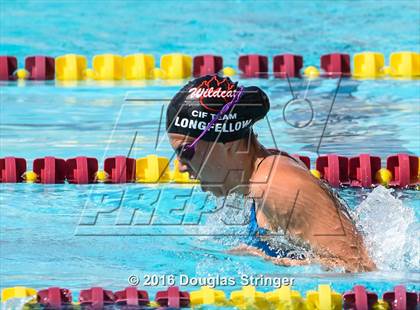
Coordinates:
(209, 124)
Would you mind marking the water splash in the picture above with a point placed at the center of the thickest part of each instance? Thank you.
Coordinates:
(390, 228)
(391, 231)
(233, 218)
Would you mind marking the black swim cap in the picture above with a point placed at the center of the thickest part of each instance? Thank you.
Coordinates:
(194, 106)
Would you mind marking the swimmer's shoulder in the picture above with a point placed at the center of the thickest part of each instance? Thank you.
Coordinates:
(278, 169)
(280, 160)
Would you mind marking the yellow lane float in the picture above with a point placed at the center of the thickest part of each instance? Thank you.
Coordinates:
(158, 73)
(383, 176)
(108, 67)
(70, 67)
(101, 176)
(228, 71)
(89, 74)
(30, 177)
(208, 296)
(404, 64)
(316, 173)
(176, 66)
(284, 298)
(381, 305)
(249, 298)
(22, 74)
(418, 170)
(139, 67)
(311, 72)
(368, 65)
(152, 169)
(323, 299)
(17, 292)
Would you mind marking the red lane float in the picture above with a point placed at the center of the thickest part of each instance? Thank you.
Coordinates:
(336, 65)
(120, 169)
(173, 298)
(359, 171)
(207, 64)
(40, 67)
(50, 170)
(400, 299)
(81, 170)
(96, 297)
(131, 297)
(54, 298)
(253, 66)
(12, 169)
(404, 169)
(362, 170)
(8, 66)
(287, 65)
(334, 169)
(359, 299)
(305, 159)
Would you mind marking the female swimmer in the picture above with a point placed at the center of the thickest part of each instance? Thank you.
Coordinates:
(209, 123)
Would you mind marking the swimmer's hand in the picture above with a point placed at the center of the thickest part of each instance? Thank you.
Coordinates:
(328, 264)
(249, 250)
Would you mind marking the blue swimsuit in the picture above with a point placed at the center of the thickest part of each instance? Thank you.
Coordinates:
(254, 231)
(253, 239)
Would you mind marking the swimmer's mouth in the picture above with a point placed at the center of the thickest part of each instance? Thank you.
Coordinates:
(191, 173)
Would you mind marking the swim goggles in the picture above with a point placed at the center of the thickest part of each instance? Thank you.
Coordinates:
(186, 151)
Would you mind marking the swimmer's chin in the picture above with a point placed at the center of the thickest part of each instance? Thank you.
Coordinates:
(216, 191)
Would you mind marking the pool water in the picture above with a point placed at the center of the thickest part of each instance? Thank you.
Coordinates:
(98, 235)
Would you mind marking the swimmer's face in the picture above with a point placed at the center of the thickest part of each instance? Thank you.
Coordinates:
(208, 163)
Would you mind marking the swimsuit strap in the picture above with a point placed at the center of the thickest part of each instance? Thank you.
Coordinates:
(253, 228)
(254, 240)
(254, 231)
(277, 152)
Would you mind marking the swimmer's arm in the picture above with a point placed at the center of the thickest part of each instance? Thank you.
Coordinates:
(249, 250)
(296, 203)
(314, 219)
